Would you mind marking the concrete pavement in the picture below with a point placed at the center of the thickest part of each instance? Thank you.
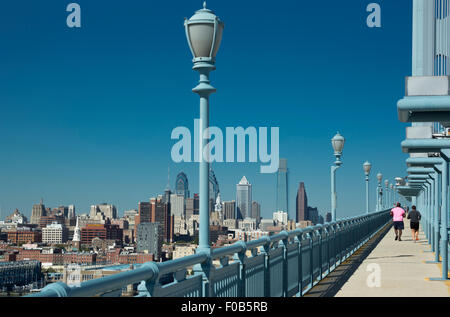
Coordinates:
(397, 269)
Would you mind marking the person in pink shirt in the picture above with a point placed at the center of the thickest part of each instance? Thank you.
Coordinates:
(398, 213)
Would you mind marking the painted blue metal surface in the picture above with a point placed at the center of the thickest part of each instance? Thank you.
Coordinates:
(284, 265)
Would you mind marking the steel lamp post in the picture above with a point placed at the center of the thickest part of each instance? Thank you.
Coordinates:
(379, 192)
(387, 199)
(392, 194)
(367, 167)
(338, 145)
(204, 34)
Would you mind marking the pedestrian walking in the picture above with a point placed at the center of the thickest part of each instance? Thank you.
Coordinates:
(398, 213)
(415, 216)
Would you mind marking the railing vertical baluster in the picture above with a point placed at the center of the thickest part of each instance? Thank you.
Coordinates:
(284, 245)
(206, 270)
(298, 239)
(319, 232)
(240, 257)
(265, 251)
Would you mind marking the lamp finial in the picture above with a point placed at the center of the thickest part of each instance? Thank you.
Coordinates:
(204, 4)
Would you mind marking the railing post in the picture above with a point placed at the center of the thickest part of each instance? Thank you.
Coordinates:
(311, 258)
(265, 251)
(284, 245)
(240, 258)
(319, 232)
(206, 270)
(298, 239)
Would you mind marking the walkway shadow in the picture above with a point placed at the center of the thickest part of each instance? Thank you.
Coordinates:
(334, 281)
(388, 257)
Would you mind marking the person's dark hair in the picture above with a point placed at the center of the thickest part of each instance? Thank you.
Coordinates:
(399, 205)
(413, 207)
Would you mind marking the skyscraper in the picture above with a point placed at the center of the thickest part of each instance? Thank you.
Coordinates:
(71, 212)
(256, 212)
(301, 204)
(243, 198)
(160, 213)
(229, 209)
(313, 215)
(37, 212)
(144, 212)
(282, 186)
(213, 186)
(149, 239)
(182, 185)
(177, 205)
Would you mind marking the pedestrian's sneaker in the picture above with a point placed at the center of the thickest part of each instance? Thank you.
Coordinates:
(396, 237)
(399, 239)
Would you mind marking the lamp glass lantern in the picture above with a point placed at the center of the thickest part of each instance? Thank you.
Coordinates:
(338, 142)
(204, 34)
(379, 177)
(367, 167)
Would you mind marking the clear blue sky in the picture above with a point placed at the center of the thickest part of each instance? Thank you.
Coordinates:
(86, 114)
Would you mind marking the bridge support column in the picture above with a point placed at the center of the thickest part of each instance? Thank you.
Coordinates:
(444, 217)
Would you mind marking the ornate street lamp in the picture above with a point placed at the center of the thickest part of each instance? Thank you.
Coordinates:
(338, 145)
(367, 167)
(204, 33)
(379, 192)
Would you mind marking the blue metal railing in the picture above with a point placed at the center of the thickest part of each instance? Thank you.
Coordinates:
(283, 265)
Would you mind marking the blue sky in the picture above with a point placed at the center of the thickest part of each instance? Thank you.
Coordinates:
(86, 114)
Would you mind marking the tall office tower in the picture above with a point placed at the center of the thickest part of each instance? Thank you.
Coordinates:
(182, 185)
(149, 239)
(256, 212)
(189, 208)
(37, 212)
(72, 213)
(229, 209)
(103, 211)
(213, 186)
(196, 204)
(313, 215)
(144, 212)
(301, 204)
(161, 215)
(243, 198)
(282, 186)
(177, 205)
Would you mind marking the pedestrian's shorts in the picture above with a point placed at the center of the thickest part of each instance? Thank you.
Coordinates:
(414, 225)
(398, 225)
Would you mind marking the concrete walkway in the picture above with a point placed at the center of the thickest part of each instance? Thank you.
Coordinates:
(397, 269)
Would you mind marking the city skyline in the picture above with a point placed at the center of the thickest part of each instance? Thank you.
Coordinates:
(92, 137)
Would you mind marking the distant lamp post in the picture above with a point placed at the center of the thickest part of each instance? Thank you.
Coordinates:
(399, 182)
(387, 198)
(367, 167)
(204, 33)
(379, 192)
(392, 193)
(338, 145)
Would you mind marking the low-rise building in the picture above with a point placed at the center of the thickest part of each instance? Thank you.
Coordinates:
(54, 233)
(182, 250)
